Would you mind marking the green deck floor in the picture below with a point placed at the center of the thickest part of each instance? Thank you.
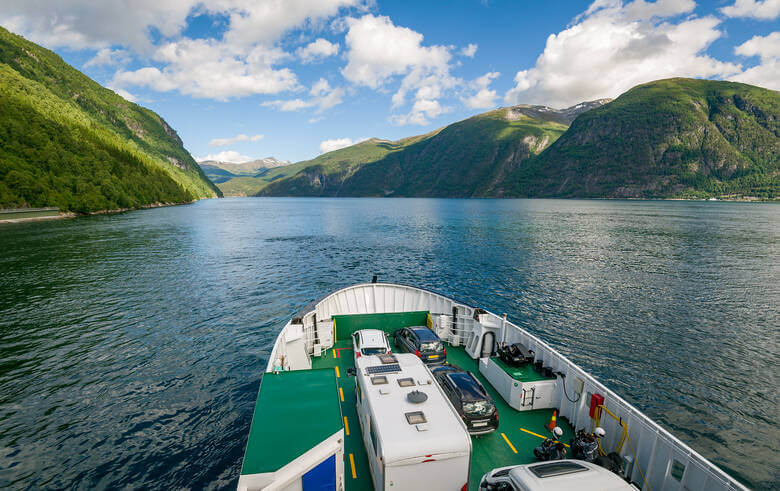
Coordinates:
(341, 356)
(489, 451)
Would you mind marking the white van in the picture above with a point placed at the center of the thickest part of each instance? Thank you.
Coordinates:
(414, 439)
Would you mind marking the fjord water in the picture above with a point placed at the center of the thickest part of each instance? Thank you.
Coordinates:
(132, 345)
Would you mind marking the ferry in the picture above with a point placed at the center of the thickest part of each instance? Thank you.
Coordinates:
(334, 414)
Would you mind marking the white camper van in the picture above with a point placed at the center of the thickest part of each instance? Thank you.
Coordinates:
(414, 439)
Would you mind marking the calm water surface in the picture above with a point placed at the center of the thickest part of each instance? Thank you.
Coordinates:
(132, 345)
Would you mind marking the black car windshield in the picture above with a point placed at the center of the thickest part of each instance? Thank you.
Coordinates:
(432, 346)
(468, 387)
(374, 351)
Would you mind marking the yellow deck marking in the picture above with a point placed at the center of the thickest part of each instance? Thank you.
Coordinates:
(537, 434)
(346, 426)
(341, 393)
(337, 372)
(509, 443)
(334, 352)
(352, 464)
(334, 331)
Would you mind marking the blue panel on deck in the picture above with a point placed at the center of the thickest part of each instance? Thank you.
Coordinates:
(321, 477)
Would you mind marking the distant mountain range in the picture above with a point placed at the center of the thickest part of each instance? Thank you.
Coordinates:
(220, 172)
(66, 141)
(675, 138)
(463, 159)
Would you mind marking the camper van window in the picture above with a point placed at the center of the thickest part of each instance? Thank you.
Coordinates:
(416, 418)
(406, 382)
(379, 380)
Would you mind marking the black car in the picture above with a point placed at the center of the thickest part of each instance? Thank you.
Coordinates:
(471, 400)
(422, 342)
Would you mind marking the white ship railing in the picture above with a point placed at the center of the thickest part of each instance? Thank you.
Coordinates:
(666, 462)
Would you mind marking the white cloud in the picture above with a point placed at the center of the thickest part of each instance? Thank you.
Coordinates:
(323, 97)
(766, 47)
(108, 57)
(335, 144)
(80, 24)
(317, 50)
(227, 156)
(207, 68)
(240, 63)
(378, 51)
(483, 97)
(125, 94)
(767, 73)
(223, 142)
(613, 47)
(764, 10)
(469, 50)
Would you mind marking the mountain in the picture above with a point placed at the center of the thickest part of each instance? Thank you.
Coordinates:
(467, 158)
(670, 138)
(66, 141)
(675, 138)
(219, 172)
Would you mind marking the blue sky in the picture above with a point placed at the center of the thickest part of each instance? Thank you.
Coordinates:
(245, 79)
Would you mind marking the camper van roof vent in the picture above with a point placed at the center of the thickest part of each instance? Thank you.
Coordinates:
(415, 418)
(406, 382)
(387, 359)
(379, 380)
(416, 397)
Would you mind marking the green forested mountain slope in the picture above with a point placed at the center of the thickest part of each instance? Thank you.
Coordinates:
(669, 138)
(467, 158)
(676, 138)
(66, 141)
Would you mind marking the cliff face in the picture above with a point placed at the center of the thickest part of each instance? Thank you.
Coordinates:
(66, 141)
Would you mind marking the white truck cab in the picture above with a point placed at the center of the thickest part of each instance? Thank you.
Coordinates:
(556, 475)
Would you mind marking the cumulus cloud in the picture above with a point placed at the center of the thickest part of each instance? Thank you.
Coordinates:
(125, 94)
(765, 47)
(613, 47)
(230, 156)
(317, 50)
(323, 97)
(335, 144)
(108, 57)
(223, 142)
(241, 62)
(764, 10)
(379, 51)
(208, 68)
(483, 97)
(767, 72)
(469, 50)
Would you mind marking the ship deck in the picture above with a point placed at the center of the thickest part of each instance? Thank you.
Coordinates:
(518, 434)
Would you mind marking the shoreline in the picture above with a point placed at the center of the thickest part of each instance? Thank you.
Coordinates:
(71, 214)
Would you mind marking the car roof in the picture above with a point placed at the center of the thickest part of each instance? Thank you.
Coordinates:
(424, 333)
(372, 338)
(467, 385)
